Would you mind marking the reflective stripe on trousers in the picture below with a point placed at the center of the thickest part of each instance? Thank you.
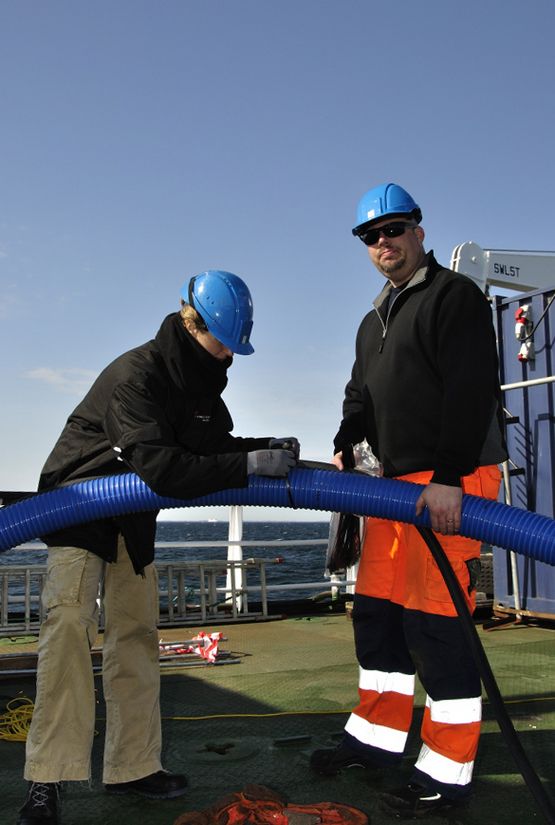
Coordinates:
(405, 622)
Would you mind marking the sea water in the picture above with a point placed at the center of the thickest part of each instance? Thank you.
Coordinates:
(285, 564)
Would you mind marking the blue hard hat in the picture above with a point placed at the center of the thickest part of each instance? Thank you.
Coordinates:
(387, 199)
(224, 303)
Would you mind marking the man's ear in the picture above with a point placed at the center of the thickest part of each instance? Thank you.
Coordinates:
(419, 232)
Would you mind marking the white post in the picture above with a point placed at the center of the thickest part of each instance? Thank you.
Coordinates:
(350, 575)
(512, 554)
(235, 552)
(335, 582)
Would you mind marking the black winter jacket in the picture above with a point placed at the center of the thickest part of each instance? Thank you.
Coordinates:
(156, 411)
(424, 388)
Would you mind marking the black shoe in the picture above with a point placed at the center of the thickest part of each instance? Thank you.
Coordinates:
(331, 761)
(414, 801)
(43, 804)
(159, 785)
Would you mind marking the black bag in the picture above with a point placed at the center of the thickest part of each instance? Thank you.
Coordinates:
(344, 544)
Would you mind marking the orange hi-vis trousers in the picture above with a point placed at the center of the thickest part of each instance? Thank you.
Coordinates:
(406, 624)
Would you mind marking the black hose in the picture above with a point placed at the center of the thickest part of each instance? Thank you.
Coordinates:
(488, 679)
(11, 496)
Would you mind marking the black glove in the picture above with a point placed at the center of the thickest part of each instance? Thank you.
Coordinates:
(290, 443)
(270, 462)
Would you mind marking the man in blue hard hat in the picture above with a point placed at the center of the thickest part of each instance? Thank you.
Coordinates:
(157, 411)
(424, 393)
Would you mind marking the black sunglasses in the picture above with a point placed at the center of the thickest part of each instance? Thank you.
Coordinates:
(369, 237)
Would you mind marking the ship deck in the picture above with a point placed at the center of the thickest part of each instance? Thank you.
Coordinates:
(283, 688)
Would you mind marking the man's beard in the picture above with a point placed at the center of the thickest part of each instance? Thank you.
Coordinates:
(392, 265)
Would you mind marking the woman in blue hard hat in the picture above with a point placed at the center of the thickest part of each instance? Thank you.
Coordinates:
(157, 411)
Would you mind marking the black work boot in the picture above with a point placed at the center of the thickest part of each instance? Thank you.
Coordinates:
(331, 761)
(159, 785)
(42, 806)
(414, 801)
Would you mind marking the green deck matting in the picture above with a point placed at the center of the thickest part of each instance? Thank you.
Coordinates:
(288, 691)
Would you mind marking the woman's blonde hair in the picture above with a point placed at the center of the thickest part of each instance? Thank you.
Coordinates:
(190, 317)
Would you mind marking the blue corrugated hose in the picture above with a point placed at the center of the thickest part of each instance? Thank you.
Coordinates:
(497, 524)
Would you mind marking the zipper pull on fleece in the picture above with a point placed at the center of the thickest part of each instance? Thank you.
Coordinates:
(380, 348)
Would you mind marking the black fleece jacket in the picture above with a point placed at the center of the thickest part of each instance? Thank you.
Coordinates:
(156, 411)
(424, 389)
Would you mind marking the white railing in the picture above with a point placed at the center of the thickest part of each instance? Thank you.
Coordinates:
(191, 592)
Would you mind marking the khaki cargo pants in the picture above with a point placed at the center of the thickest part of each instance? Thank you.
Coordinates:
(63, 725)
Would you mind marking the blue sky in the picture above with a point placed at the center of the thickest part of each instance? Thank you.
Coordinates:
(143, 142)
